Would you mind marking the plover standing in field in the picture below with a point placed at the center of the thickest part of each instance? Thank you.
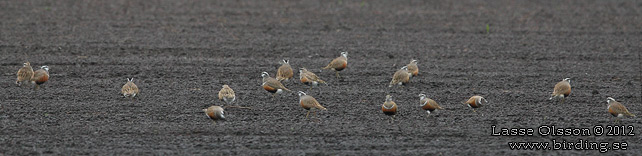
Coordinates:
(130, 89)
(215, 113)
(40, 76)
(427, 104)
(309, 103)
(617, 109)
(412, 68)
(476, 102)
(272, 85)
(562, 90)
(389, 108)
(285, 71)
(338, 63)
(401, 77)
(24, 74)
(309, 78)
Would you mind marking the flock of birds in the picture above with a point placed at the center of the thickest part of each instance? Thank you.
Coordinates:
(284, 73)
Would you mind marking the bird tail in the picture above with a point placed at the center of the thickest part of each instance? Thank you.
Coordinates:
(326, 67)
(439, 107)
(287, 89)
(321, 81)
(321, 107)
(630, 114)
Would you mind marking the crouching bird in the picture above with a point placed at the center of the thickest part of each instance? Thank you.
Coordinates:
(272, 85)
(476, 102)
(25, 73)
(562, 90)
(412, 67)
(427, 104)
(309, 103)
(309, 78)
(130, 89)
(389, 108)
(617, 109)
(285, 71)
(40, 76)
(401, 77)
(215, 113)
(338, 63)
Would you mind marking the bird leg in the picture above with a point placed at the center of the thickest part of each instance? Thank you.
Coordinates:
(474, 110)
(306, 115)
(563, 99)
(337, 74)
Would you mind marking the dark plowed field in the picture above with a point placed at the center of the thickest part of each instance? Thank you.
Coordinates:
(181, 53)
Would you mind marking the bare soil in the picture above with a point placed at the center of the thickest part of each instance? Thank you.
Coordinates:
(181, 53)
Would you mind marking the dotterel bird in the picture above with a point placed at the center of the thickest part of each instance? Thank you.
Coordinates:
(427, 104)
(215, 113)
(412, 67)
(285, 71)
(338, 63)
(401, 77)
(309, 103)
(617, 109)
(309, 78)
(389, 108)
(40, 76)
(130, 89)
(24, 74)
(562, 90)
(476, 102)
(272, 85)
(226, 94)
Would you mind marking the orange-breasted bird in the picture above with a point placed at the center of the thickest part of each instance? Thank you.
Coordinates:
(562, 90)
(338, 63)
(389, 108)
(40, 76)
(427, 104)
(309, 103)
(617, 109)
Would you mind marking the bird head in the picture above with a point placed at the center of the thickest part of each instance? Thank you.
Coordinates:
(130, 80)
(265, 74)
(422, 96)
(301, 93)
(46, 68)
(413, 61)
(344, 54)
(404, 68)
(226, 86)
(285, 61)
(567, 80)
(609, 100)
(388, 97)
(26, 64)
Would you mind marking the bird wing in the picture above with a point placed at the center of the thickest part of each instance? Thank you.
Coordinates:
(336, 63)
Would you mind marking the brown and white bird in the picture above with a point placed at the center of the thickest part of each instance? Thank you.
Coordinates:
(309, 78)
(562, 90)
(285, 71)
(40, 76)
(130, 89)
(427, 104)
(309, 103)
(226, 94)
(215, 113)
(24, 74)
(389, 108)
(476, 102)
(338, 63)
(617, 109)
(272, 85)
(412, 67)
(401, 77)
